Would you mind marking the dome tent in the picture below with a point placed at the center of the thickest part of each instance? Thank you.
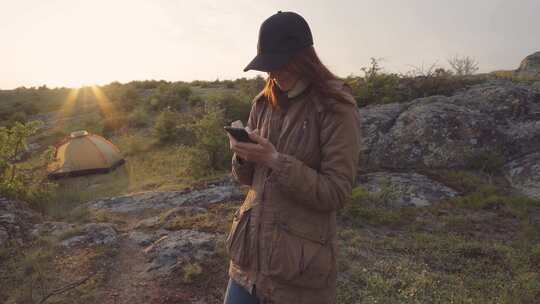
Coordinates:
(83, 153)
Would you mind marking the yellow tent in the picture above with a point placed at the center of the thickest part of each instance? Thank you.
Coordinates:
(84, 153)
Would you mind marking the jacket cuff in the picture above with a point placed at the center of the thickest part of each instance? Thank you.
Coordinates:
(237, 160)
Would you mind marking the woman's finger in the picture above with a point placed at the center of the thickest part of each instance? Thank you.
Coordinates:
(247, 146)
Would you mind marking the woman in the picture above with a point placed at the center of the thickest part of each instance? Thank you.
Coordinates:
(282, 241)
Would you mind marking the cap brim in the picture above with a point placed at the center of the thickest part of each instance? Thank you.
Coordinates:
(268, 62)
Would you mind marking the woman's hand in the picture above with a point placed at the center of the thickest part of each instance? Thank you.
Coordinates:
(263, 152)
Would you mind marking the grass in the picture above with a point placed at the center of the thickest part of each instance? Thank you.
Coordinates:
(191, 272)
(30, 273)
(217, 219)
(482, 247)
(148, 167)
(421, 266)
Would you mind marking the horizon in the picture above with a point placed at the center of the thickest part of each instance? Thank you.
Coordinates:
(60, 43)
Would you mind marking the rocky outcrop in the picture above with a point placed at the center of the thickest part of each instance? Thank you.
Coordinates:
(524, 174)
(530, 66)
(91, 234)
(16, 221)
(166, 251)
(137, 202)
(405, 189)
(448, 132)
(164, 219)
(500, 118)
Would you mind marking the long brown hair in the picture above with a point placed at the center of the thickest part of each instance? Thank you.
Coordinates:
(308, 66)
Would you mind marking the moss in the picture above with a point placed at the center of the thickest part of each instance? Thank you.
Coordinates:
(191, 272)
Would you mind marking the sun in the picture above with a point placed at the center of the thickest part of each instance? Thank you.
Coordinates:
(103, 101)
(73, 97)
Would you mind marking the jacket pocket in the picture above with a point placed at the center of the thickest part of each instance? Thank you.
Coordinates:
(240, 237)
(299, 256)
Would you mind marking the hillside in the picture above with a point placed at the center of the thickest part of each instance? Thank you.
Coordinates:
(446, 208)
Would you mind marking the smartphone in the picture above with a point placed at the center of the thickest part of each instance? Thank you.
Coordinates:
(239, 134)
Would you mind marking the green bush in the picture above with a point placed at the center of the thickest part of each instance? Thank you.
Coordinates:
(378, 87)
(134, 144)
(112, 125)
(211, 138)
(462, 181)
(375, 86)
(197, 162)
(18, 117)
(139, 118)
(171, 126)
(173, 96)
(16, 181)
(234, 107)
(490, 162)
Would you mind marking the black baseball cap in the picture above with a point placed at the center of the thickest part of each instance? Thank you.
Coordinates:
(280, 37)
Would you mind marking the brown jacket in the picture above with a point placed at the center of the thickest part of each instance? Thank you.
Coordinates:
(283, 237)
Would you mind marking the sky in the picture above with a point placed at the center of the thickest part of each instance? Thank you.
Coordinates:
(78, 42)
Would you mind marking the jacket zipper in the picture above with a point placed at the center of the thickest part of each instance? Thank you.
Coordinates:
(300, 135)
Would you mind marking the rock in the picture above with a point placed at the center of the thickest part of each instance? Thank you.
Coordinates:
(91, 234)
(143, 238)
(182, 211)
(151, 222)
(499, 117)
(55, 229)
(176, 248)
(530, 66)
(409, 189)
(16, 221)
(524, 174)
(162, 220)
(138, 202)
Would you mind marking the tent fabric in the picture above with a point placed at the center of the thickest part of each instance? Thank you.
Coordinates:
(84, 153)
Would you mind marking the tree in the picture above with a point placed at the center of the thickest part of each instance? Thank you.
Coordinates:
(463, 66)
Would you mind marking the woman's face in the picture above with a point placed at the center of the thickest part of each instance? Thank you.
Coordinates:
(284, 79)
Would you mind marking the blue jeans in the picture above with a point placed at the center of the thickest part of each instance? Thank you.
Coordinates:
(236, 294)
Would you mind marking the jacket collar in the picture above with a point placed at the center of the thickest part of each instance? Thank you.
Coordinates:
(299, 87)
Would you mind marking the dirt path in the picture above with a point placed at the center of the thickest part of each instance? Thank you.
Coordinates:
(129, 282)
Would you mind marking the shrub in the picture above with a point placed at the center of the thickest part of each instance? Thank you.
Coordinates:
(171, 126)
(212, 139)
(139, 118)
(250, 87)
(172, 96)
(113, 124)
(18, 117)
(197, 162)
(462, 181)
(28, 184)
(234, 107)
(490, 162)
(377, 87)
(463, 66)
(134, 144)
